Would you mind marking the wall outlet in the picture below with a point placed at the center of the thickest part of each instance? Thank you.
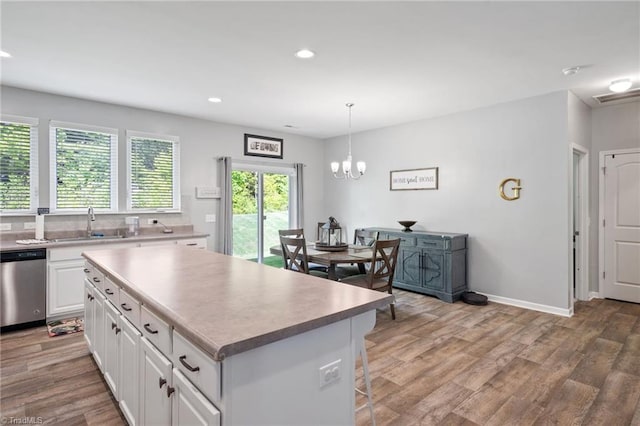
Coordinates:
(330, 373)
(6, 226)
(152, 221)
(210, 218)
(29, 225)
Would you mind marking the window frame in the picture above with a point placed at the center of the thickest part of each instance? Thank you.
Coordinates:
(53, 160)
(34, 170)
(175, 140)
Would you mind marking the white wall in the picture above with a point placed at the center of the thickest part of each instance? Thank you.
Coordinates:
(614, 127)
(517, 249)
(201, 141)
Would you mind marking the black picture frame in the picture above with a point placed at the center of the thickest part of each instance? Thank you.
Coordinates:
(263, 146)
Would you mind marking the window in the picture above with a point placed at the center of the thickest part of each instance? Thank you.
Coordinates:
(18, 164)
(83, 167)
(153, 172)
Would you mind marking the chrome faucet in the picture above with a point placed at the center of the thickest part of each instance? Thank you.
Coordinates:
(90, 218)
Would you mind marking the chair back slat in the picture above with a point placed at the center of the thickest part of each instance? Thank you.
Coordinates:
(384, 258)
(291, 249)
(363, 237)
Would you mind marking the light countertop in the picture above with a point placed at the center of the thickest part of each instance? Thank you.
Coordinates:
(228, 305)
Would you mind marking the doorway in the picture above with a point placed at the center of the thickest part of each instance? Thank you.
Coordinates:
(579, 288)
(620, 225)
(261, 206)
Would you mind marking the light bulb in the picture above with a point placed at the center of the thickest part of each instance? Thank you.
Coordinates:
(335, 166)
(362, 167)
(621, 85)
(346, 167)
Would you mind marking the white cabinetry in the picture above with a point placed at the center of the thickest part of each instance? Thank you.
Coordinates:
(89, 314)
(129, 365)
(112, 348)
(155, 378)
(189, 406)
(65, 277)
(66, 272)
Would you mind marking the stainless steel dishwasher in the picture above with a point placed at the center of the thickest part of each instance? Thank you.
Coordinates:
(24, 287)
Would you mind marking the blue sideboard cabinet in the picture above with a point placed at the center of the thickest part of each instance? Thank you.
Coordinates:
(433, 263)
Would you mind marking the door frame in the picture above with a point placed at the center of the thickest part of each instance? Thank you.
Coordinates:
(601, 176)
(582, 278)
(262, 167)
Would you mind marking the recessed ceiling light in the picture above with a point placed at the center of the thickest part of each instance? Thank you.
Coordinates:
(215, 100)
(621, 85)
(305, 54)
(4, 54)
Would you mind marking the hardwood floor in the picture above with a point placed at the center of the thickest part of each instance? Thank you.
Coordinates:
(438, 363)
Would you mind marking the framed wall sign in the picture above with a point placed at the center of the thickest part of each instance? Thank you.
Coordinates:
(262, 146)
(403, 180)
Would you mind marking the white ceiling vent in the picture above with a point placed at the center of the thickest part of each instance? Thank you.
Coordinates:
(612, 97)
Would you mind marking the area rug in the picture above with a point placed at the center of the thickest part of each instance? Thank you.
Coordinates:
(65, 326)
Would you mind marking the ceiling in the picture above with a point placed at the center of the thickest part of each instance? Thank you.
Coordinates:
(396, 61)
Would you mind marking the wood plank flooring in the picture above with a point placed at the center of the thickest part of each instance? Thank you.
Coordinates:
(437, 364)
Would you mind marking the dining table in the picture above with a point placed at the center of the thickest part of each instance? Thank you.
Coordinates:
(352, 254)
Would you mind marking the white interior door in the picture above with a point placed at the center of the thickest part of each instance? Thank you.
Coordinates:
(622, 227)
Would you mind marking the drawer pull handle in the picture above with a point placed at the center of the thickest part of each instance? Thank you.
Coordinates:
(187, 366)
(86, 271)
(113, 325)
(170, 390)
(96, 280)
(192, 244)
(125, 307)
(108, 291)
(118, 330)
(162, 382)
(91, 298)
(149, 329)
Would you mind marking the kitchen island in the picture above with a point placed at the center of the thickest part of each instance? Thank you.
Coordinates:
(240, 343)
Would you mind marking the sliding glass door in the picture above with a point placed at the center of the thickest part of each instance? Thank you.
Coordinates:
(261, 206)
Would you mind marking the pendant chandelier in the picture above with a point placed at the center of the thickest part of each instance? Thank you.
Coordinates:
(346, 164)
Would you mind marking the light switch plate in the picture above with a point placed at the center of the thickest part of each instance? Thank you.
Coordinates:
(210, 218)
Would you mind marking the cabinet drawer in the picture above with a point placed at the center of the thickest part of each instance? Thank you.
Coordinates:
(66, 253)
(405, 241)
(130, 308)
(199, 243)
(112, 291)
(431, 243)
(156, 330)
(94, 276)
(198, 367)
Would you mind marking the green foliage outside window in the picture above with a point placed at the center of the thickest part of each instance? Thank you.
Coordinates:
(245, 188)
(83, 169)
(15, 166)
(151, 173)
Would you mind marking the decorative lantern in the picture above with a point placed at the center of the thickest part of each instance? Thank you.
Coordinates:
(330, 233)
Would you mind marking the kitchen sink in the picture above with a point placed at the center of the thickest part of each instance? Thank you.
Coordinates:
(85, 238)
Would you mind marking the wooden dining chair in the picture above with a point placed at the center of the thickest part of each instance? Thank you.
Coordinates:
(294, 255)
(381, 270)
(361, 237)
(299, 233)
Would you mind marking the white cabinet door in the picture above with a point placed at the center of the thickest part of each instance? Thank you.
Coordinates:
(89, 314)
(189, 406)
(129, 364)
(112, 348)
(155, 378)
(98, 328)
(65, 287)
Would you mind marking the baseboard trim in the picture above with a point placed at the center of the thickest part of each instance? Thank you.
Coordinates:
(530, 305)
(594, 295)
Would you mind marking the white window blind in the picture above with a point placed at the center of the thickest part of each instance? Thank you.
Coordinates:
(153, 172)
(18, 164)
(83, 167)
